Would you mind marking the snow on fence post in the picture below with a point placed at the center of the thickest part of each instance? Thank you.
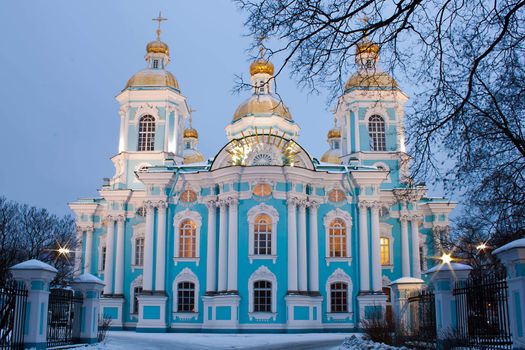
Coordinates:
(443, 278)
(401, 288)
(90, 287)
(36, 276)
(512, 255)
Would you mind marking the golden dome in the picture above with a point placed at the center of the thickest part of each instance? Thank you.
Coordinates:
(153, 77)
(376, 79)
(261, 66)
(192, 156)
(191, 132)
(158, 46)
(366, 46)
(331, 156)
(262, 104)
(334, 133)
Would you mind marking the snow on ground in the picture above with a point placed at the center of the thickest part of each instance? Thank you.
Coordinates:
(357, 343)
(126, 340)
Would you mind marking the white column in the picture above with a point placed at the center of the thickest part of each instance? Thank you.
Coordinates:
(313, 263)
(160, 262)
(147, 273)
(292, 245)
(211, 254)
(89, 247)
(78, 252)
(376, 250)
(108, 264)
(416, 263)
(223, 248)
(364, 252)
(405, 253)
(302, 262)
(119, 257)
(232, 245)
(348, 134)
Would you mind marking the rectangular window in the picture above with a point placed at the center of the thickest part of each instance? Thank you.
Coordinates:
(139, 251)
(262, 296)
(103, 258)
(338, 297)
(385, 250)
(186, 297)
(155, 64)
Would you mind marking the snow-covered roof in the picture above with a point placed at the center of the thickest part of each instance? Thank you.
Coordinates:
(519, 243)
(88, 278)
(449, 267)
(406, 280)
(34, 264)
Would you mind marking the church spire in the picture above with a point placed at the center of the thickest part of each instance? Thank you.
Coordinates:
(367, 52)
(157, 51)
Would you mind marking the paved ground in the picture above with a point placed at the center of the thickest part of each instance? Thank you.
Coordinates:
(203, 341)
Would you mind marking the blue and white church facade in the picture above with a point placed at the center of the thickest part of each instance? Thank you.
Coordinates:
(261, 236)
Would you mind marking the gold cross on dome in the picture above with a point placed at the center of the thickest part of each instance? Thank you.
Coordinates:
(159, 20)
(261, 39)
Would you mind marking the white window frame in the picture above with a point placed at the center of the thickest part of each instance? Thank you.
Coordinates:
(339, 276)
(262, 274)
(101, 245)
(177, 220)
(252, 215)
(377, 133)
(347, 219)
(386, 232)
(137, 282)
(138, 232)
(186, 275)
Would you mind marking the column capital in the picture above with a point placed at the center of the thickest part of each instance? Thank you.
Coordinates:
(120, 218)
(222, 203)
(232, 201)
(148, 205)
(404, 217)
(314, 204)
(161, 205)
(109, 218)
(415, 217)
(293, 201)
(211, 203)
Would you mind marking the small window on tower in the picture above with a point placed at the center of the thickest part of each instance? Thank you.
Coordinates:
(336, 144)
(156, 64)
(188, 145)
(261, 87)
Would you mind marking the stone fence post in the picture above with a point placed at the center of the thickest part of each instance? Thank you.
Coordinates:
(443, 278)
(401, 289)
(512, 255)
(90, 287)
(36, 276)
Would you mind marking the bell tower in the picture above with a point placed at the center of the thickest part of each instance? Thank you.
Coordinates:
(152, 117)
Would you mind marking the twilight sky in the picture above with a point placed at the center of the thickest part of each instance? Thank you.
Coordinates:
(62, 62)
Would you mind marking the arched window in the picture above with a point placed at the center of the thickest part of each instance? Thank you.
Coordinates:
(186, 297)
(136, 292)
(139, 251)
(376, 132)
(338, 297)
(262, 235)
(262, 296)
(188, 238)
(146, 133)
(337, 238)
(384, 243)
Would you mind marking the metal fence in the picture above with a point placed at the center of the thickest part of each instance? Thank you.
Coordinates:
(63, 306)
(13, 298)
(422, 314)
(482, 313)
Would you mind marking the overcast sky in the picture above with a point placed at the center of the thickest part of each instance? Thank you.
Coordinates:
(63, 62)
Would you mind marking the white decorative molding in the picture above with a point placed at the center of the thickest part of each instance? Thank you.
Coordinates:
(385, 168)
(262, 274)
(138, 232)
(339, 276)
(146, 109)
(137, 282)
(252, 215)
(347, 219)
(186, 275)
(177, 220)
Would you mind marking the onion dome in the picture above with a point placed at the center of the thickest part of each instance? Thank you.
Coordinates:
(334, 133)
(153, 78)
(331, 156)
(366, 46)
(261, 66)
(370, 80)
(158, 46)
(191, 133)
(262, 105)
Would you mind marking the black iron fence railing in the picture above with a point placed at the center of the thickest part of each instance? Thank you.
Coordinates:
(482, 312)
(13, 299)
(422, 317)
(64, 306)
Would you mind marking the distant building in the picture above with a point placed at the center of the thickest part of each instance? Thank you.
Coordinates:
(261, 236)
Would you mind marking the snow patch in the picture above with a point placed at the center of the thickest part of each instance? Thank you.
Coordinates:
(519, 243)
(357, 343)
(34, 264)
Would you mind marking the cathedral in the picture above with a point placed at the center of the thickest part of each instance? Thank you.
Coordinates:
(262, 236)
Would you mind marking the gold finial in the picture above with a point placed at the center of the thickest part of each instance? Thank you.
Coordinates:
(191, 116)
(159, 20)
(366, 21)
(261, 39)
